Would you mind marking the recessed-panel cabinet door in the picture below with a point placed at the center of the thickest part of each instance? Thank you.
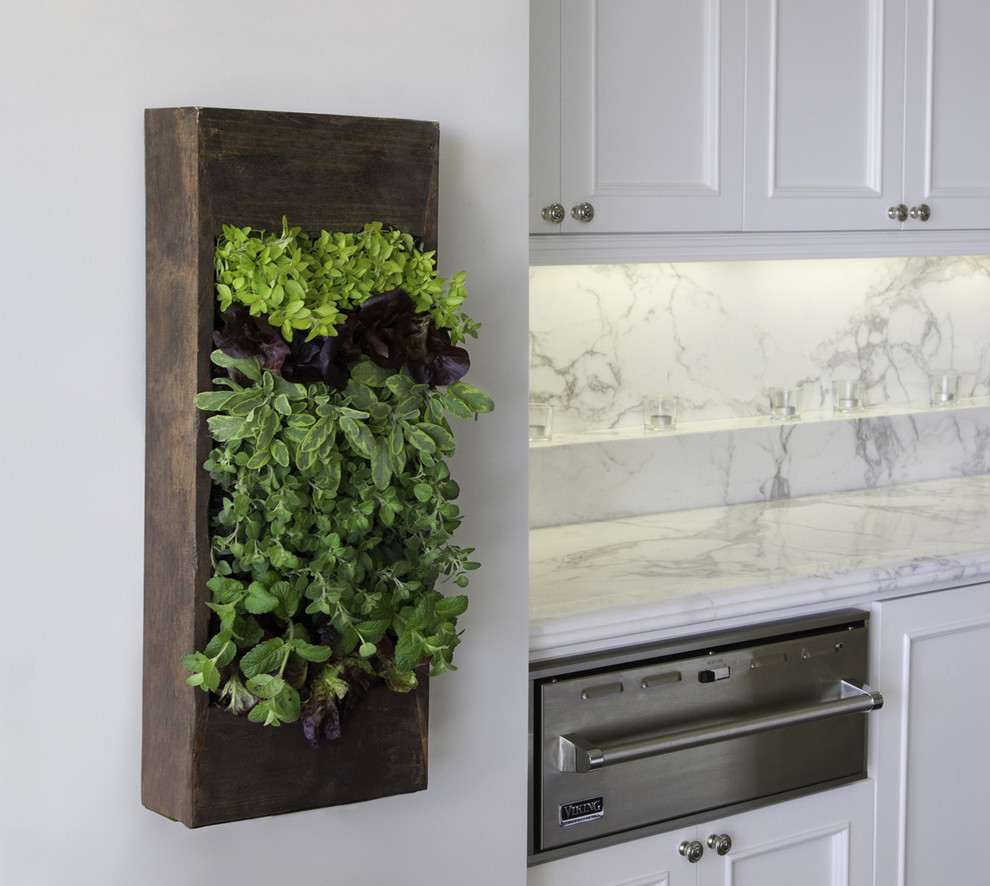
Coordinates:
(544, 115)
(823, 114)
(947, 138)
(649, 861)
(824, 839)
(933, 770)
(651, 114)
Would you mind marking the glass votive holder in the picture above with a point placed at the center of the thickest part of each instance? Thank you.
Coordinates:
(660, 412)
(785, 403)
(847, 395)
(943, 387)
(540, 421)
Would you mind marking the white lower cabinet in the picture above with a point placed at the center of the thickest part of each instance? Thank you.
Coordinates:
(824, 839)
(930, 741)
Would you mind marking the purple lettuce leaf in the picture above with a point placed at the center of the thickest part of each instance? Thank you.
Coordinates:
(384, 329)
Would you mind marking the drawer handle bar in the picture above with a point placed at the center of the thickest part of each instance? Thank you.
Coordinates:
(575, 754)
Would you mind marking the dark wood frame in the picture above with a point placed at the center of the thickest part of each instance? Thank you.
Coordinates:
(205, 168)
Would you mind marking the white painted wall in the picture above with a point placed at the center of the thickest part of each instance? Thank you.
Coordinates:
(76, 76)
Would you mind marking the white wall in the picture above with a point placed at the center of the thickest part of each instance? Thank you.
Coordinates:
(76, 77)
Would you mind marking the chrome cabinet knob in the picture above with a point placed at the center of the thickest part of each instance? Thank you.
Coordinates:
(692, 851)
(898, 212)
(554, 213)
(721, 843)
(922, 212)
(583, 212)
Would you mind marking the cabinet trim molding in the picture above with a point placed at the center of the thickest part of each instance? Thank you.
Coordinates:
(589, 249)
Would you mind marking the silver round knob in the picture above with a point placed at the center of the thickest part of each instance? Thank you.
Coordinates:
(898, 212)
(583, 212)
(922, 212)
(554, 213)
(692, 851)
(721, 843)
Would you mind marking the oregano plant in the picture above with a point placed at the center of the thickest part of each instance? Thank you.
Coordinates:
(332, 514)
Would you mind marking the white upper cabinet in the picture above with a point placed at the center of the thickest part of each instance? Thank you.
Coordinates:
(864, 115)
(650, 118)
(824, 114)
(679, 116)
(947, 124)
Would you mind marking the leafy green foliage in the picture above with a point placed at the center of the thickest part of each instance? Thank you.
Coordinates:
(311, 284)
(333, 510)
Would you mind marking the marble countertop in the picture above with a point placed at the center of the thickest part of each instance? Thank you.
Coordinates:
(620, 582)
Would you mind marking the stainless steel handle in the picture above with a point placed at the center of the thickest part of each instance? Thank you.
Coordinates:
(721, 843)
(898, 212)
(923, 212)
(575, 754)
(691, 851)
(553, 213)
(583, 212)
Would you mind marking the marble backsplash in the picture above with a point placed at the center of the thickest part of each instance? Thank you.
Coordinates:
(718, 335)
(706, 464)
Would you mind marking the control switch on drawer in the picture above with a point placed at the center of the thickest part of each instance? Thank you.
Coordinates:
(710, 675)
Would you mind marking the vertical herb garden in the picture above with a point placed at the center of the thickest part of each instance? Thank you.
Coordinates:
(303, 378)
(338, 364)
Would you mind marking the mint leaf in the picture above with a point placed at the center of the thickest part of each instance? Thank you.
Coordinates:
(288, 599)
(451, 607)
(265, 685)
(266, 656)
(310, 651)
(408, 652)
(259, 599)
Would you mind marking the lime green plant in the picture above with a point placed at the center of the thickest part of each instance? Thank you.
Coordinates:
(310, 284)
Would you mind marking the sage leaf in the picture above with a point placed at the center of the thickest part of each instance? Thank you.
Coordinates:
(280, 453)
(225, 428)
(268, 424)
(381, 465)
(213, 401)
(358, 436)
(316, 436)
(420, 440)
(249, 366)
(474, 400)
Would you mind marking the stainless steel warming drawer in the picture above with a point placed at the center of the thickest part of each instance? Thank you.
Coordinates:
(658, 737)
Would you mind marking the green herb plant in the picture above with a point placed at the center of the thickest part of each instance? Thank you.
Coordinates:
(310, 284)
(333, 513)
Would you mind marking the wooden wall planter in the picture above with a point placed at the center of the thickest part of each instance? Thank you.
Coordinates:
(206, 168)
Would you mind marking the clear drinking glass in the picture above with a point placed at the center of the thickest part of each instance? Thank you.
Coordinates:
(943, 387)
(847, 395)
(540, 421)
(660, 412)
(785, 403)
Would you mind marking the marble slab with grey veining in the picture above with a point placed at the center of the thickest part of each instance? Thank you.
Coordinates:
(718, 334)
(623, 472)
(619, 582)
